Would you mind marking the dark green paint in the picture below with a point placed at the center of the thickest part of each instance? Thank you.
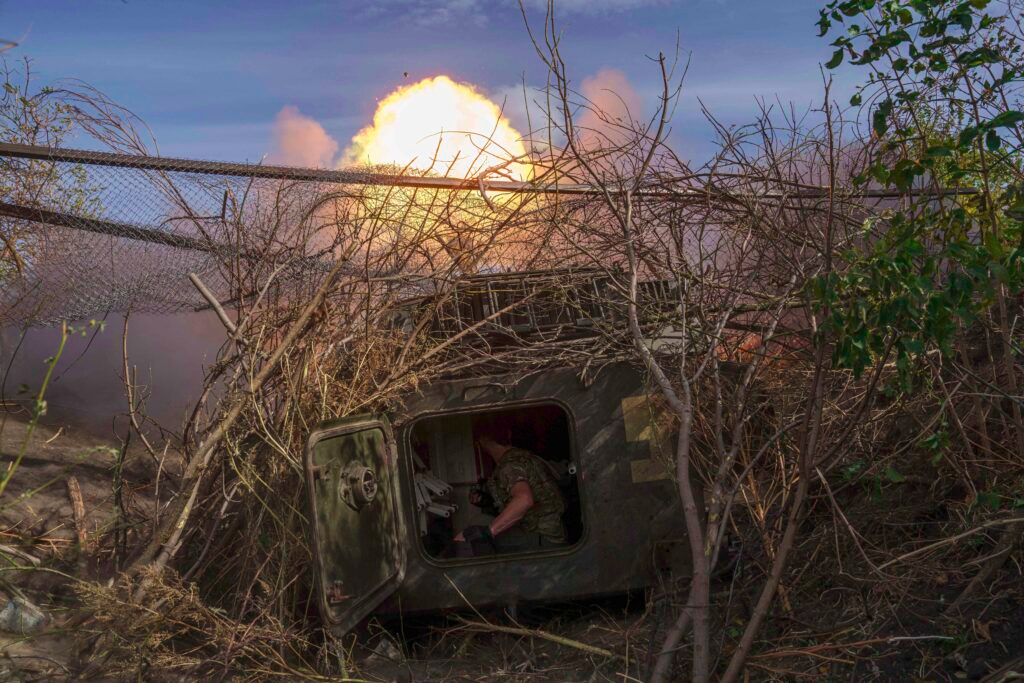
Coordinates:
(356, 545)
(631, 530)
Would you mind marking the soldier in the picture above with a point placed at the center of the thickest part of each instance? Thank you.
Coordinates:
(528, 503)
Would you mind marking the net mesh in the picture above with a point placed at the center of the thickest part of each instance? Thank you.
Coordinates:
(84, 234)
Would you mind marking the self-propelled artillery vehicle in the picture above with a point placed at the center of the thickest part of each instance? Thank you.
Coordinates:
(387, 492)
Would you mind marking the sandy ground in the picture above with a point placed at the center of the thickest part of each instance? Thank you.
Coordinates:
(40, 530)
(39, 526)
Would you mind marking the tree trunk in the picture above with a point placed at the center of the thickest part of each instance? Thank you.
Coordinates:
(700, 587)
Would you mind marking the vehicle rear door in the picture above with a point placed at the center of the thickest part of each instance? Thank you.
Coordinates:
(352, 477)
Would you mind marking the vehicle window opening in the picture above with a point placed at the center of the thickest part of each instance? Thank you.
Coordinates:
(455, 479)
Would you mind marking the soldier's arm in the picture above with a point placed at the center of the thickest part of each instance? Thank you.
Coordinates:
(520, 501)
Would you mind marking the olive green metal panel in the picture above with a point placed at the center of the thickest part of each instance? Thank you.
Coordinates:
(351, 469)
(632, 529)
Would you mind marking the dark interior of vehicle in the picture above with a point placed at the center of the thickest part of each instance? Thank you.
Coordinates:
(449, 465)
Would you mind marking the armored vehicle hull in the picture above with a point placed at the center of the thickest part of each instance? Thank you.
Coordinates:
(382, 554)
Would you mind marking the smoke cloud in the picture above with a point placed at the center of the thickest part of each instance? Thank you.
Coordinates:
(300, 141)
(169, 352)
(612, 102)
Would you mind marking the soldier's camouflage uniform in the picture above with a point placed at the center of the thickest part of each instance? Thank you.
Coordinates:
(545, 517)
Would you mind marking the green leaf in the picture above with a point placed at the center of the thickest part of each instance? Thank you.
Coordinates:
(967, 135)
(989, 499)
(904, 172)
(824, 24)
(895, 477)
(1006, 119)
(855, 100)
(992, 140)
(851, 471)
(1016, 210)
(850, 9)
(837, 59)
(978, 57)
(1000, 272)
(880, 119)
(936, 151)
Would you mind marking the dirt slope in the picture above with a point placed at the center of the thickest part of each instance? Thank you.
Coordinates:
(45, 544)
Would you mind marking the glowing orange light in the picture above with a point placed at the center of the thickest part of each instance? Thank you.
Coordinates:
(443, 127)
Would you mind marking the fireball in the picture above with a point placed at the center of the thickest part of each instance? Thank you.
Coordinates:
(441, 127)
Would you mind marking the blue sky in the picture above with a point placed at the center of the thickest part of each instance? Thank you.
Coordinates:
(210, 76)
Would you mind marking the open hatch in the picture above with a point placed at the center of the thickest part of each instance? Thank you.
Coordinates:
(352, 474)
(448, 467)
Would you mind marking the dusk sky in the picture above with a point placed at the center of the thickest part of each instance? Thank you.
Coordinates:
(211, 77)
